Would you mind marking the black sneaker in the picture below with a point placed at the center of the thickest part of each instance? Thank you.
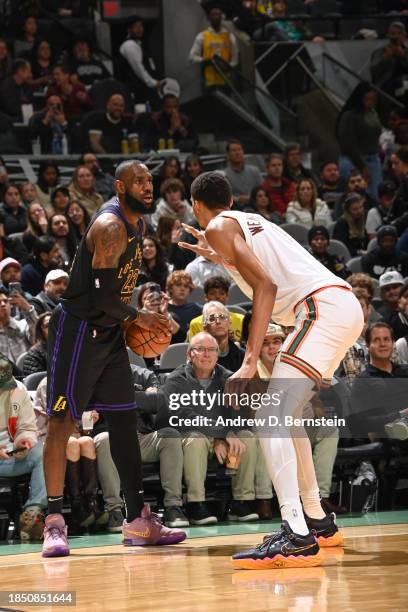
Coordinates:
(242, 511)
(199, 514)
(175, 517)
(115, 521)
(325, 530)
(285, 549)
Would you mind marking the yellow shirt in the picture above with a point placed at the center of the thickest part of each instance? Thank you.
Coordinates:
(215, 43)
(196, 325)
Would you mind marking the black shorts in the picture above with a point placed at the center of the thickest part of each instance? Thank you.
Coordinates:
(88, 367)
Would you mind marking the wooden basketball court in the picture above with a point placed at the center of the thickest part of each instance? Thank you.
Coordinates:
(369, 573)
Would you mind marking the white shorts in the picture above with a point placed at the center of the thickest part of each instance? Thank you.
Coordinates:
(328, 322)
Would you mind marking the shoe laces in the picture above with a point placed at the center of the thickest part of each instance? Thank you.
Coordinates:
(273, 538)
(54, 531)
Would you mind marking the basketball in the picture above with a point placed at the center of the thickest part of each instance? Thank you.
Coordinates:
(144, 342)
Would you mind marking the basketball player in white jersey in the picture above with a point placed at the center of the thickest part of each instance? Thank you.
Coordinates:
(292, 288)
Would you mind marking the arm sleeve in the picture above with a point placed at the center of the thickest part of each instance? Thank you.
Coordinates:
(133, 54)
(195, 55)
(107, 300)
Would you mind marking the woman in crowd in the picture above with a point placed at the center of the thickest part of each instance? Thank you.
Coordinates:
(154, 265)
(358, 131)
(36, 358)
(79, 218)
(37, 224)
(350, 228)
(48, 178)
(307, 209)
(28, 192)
(59, 228)
(260, 203)
(82, 189)
(172, 204)
(169, 232)
(171, 168)
(13, 215)
(24, 43)
(60, 200)
(41, 64)
(192, 168)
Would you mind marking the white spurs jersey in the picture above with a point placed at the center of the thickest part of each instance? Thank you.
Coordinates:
(295, 272)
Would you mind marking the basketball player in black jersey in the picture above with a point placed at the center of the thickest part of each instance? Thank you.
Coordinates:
(88, 365)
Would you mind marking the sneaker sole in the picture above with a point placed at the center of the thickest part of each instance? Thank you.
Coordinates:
(164, 541)
(177, 524)
(248, 517)
(279, 562)
(58, 551)
(335, 540)
(210, 520)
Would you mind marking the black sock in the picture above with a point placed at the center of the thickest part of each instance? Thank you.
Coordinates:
(55, 505)
(125, 451)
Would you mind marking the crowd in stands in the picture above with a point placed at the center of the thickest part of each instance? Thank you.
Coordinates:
(351, 214)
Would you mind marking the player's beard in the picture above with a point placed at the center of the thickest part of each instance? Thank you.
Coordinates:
(137, 206)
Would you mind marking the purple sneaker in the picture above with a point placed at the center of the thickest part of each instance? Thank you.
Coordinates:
(55, 537)
(147, 530)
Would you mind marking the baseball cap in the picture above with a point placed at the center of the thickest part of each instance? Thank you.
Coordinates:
(275, 330)
(387, 230)
(7, 380)
(387, 188)
(390, 278)
(9, 261)
(54, 275)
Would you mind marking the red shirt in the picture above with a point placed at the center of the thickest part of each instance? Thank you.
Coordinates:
(73, 106)
(280, 196)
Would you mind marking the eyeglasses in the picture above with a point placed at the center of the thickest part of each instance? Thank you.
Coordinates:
(213, 318)
(203, 349)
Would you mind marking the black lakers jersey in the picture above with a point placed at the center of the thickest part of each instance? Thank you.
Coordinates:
(78, 297)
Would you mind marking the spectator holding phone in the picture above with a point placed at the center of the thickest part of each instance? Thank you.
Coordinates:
(16, 336)
(48, 123)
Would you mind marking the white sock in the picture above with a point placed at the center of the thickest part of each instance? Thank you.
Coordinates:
(308, 487)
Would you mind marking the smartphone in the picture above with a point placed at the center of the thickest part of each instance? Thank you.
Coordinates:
(15, 287)
(155, 289)
(19, 449)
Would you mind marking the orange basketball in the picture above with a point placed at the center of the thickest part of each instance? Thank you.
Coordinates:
(144, 342)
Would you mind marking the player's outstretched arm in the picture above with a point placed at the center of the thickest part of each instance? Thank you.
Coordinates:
(225, 237)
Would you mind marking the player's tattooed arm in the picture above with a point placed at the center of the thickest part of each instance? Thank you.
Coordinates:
(109, 239)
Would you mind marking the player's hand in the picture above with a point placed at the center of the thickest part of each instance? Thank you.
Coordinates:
(236, 446)
(202, 247)
(220, 450)
(154, 321)
(237, 383)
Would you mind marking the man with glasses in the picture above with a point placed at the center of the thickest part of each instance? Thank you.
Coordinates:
(202, 373)
(217, 323)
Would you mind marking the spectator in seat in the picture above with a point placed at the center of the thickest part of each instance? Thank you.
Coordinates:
(16, 90)
(106, 128)
(16, 336)
(75, 98)
(243, 177)
(48, 179)
(193, 166)
(55, 284)
(10, 272)
(13, 215)
(216, 321)
(60, 200)
(319, 240)
(169, 233)
(179, 288)
(170, 169)
(170, 123)
(390, 284)
(25, 44)
(330, 189)
(153, 301)
(60, 228)
(374, 403)
(85, 66)
(172, 203)
(202, 372)
(36, 358)
(279, 189)
(259, 203)
(358, 131)
(37, 224)
(364, 282)
(28, 192)
(307, 209)
(216, 289)
(49, 123)
(293, 170)
(154, 265)
(399, 320)
(217, 41)
(382, 213)
(18, 429)
(41, 64)
(350, 228)
(356, 183)
(385, 256)
(46, 257)
(82, 189)
(79, 217)
(356, 358)
(104, 182)
(5, 60)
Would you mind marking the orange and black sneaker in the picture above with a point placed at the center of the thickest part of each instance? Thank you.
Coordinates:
(284, 549)
(325, 530)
